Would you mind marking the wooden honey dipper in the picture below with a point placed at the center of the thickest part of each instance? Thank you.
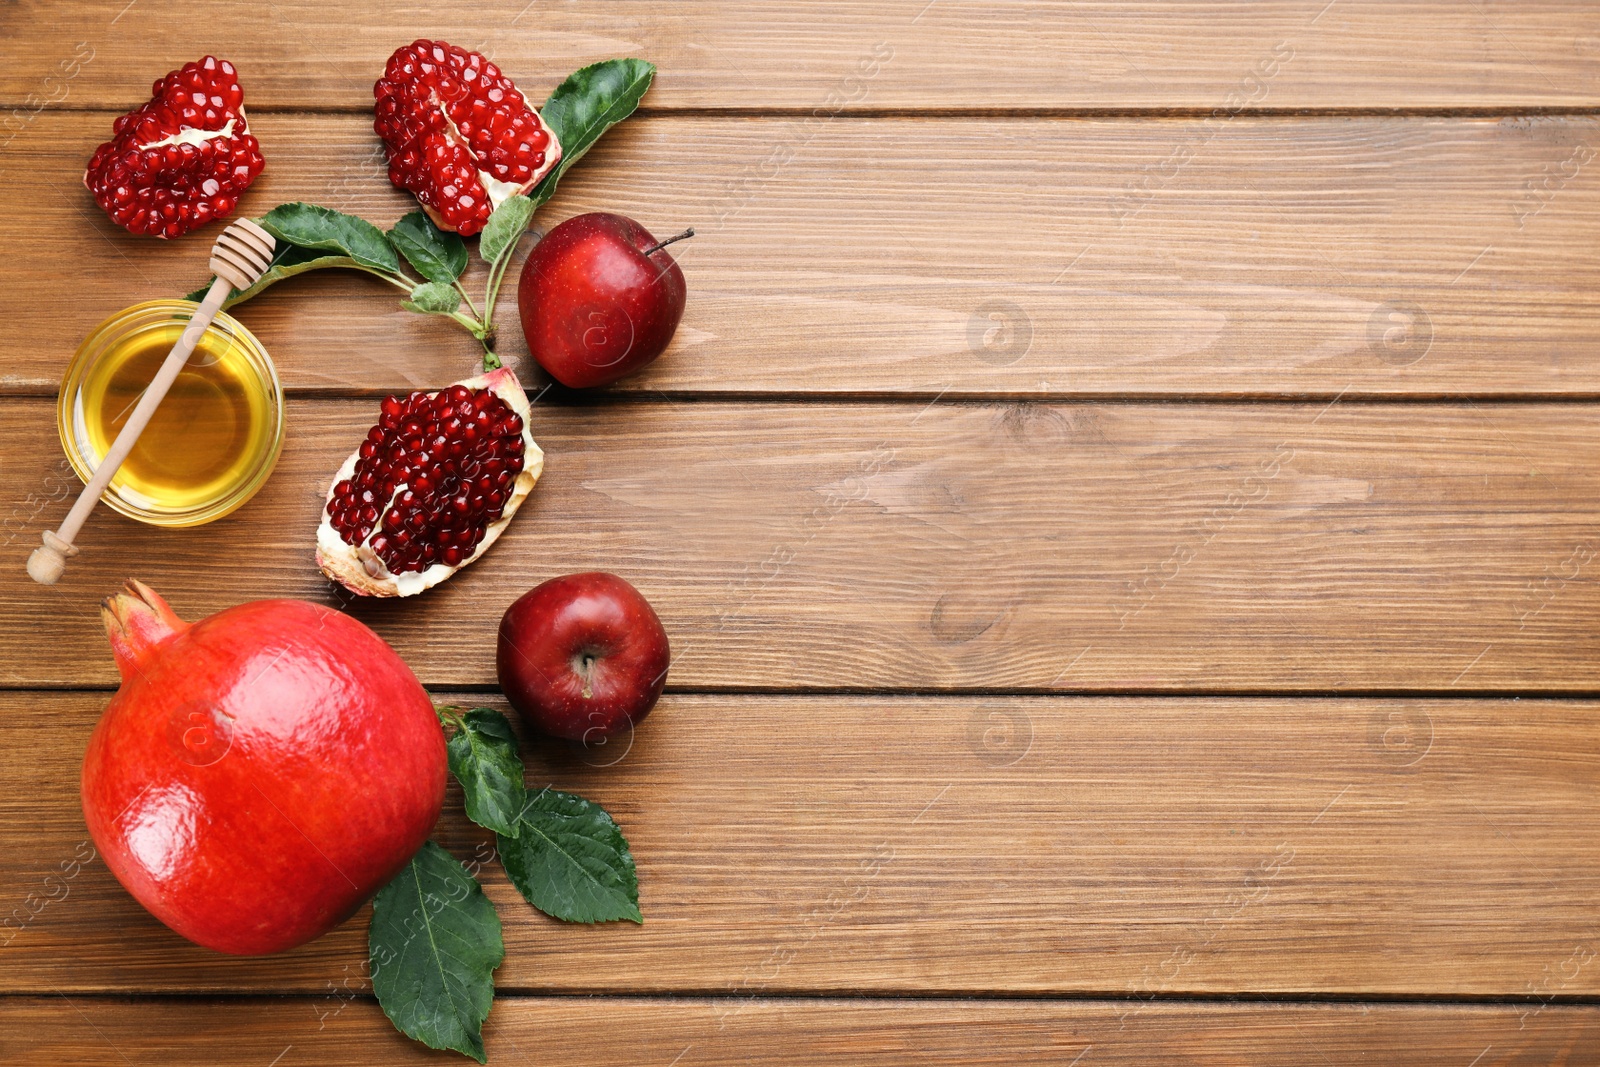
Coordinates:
(241, 255)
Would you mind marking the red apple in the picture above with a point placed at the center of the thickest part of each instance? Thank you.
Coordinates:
(599, 299)
(583, 657)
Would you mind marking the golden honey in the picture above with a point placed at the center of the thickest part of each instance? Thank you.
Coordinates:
(213, 439)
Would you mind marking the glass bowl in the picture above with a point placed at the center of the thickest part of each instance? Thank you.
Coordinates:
(210, 444)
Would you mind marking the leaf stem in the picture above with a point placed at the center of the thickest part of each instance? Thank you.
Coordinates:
(465, 299)
(399, 281)
(474, 327)
(497, 271)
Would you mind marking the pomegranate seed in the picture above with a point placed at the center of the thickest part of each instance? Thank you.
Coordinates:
(134, 172)
(439, 161)
(450, 489)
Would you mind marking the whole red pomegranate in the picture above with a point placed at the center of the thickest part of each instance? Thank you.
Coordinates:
(261, 772)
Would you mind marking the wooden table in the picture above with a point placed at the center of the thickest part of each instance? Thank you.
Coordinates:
(1123, 495)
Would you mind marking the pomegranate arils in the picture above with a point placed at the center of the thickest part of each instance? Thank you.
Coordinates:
(182, 159)
(434, 504)
(458, 133)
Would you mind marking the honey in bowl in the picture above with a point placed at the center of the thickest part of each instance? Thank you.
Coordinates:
(215, 436)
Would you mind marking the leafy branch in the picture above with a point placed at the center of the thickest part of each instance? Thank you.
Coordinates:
(435, 940)
(582, 108)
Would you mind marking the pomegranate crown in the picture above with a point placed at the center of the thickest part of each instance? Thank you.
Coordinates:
(138, 622)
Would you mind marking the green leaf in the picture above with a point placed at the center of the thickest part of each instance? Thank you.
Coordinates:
(287, 261)
(586, 105)
(434, 944)
(433, 298)
(438, 256)
(505, 228)
(483, 757)
(310, 226)
(570, 860)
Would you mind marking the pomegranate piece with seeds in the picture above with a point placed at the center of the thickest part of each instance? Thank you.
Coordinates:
(458, 133)
(182, 159)
(430, 488)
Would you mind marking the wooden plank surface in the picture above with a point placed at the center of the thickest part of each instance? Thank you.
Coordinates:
(1124, 498)
(1027, 258)
(1193, 548)
(1050, 845)
(943, 54)
(600, 1032)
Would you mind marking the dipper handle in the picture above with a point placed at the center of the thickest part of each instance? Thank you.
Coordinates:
(241, 255)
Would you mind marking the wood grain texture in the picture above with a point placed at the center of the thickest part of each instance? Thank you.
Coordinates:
(602, 1032)
(808, 55)
(1024, 258)
(1118, 846)
(1025, 770)
(946, 546)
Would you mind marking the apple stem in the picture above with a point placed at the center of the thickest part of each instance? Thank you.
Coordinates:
(659, 245)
